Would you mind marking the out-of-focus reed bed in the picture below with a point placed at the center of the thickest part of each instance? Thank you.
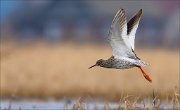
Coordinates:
(43, 70)
(125, 103)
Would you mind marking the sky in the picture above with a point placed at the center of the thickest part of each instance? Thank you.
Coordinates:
(7, 6)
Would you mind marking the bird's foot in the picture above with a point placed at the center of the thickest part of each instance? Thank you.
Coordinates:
(144, 74)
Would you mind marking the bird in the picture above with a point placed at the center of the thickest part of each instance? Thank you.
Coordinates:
(121, 37)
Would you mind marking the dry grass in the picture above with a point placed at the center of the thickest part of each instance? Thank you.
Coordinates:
(42, 71)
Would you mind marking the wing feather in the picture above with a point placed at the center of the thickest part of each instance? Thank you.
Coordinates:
(118, 38)
(132, 27)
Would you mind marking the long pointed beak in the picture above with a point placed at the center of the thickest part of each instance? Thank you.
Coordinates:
(92, 66)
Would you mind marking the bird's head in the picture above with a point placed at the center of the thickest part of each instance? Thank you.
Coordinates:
(98, 63)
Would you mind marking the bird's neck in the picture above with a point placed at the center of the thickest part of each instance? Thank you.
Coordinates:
(106, 63)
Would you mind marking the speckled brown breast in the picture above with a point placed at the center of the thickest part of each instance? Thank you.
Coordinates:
(117, 63)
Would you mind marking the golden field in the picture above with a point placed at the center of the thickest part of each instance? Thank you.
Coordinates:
(42, 71)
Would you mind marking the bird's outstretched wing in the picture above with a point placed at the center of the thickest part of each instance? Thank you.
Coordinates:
(132, 27)
(118, 37)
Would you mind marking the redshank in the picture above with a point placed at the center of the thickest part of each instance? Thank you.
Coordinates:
(121, 38)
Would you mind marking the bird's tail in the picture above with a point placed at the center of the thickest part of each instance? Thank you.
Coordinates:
(141, 63)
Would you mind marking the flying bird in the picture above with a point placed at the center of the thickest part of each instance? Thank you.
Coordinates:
(121, 38)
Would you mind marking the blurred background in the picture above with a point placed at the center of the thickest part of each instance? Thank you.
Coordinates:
(84, 21)
(48, 45)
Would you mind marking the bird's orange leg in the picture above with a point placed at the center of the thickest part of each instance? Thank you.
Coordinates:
(144, 74)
